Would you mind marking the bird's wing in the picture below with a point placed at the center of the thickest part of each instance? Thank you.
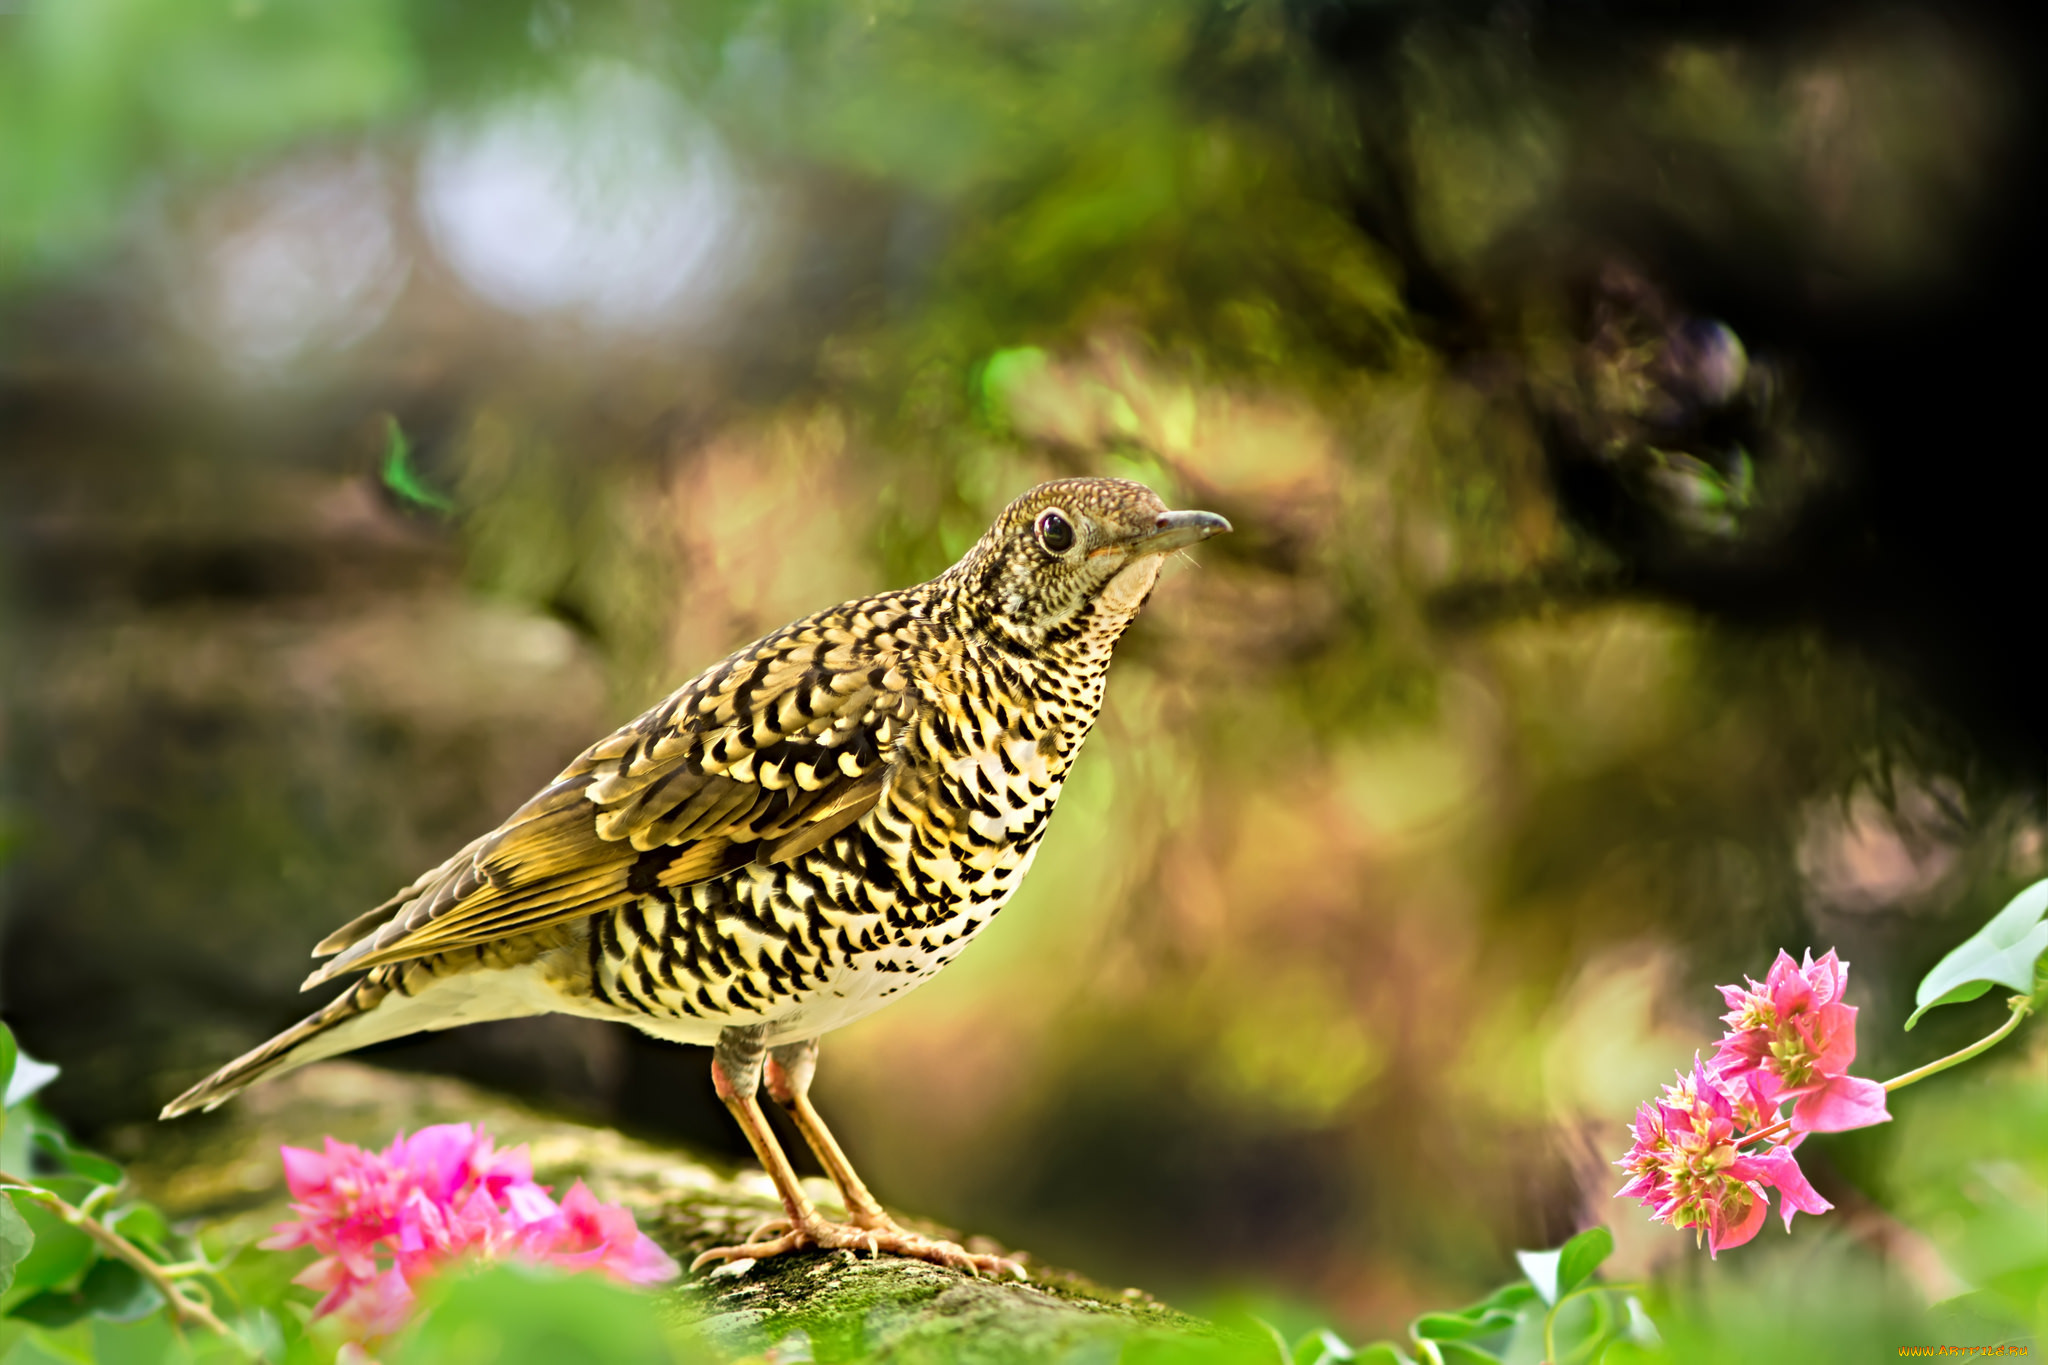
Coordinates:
(762, 758)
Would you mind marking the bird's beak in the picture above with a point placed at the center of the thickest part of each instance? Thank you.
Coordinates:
(1175, 531)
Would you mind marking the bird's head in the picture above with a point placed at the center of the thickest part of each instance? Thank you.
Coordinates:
(1074, 557)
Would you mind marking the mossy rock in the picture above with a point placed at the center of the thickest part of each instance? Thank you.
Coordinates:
(221, 1173)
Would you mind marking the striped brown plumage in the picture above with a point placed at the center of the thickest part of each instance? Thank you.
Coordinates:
(793, 838)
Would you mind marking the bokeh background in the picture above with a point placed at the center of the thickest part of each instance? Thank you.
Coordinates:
(1630, 420)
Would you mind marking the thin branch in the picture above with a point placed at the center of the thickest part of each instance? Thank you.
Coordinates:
(125, 1251)
(2021, 1007)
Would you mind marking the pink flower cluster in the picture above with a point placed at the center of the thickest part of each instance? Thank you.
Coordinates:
(1687, 1165)
(1793, 1033)
(1790, 1040)
(422, 1202)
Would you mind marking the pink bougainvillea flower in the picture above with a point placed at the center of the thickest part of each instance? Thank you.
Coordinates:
(1733, 1216)
(377, 1307)
(594, 1234)
(1780, 1170)
(383, 1221)
(1688, 1168)
(1839, 1104)
(1793, 1034)
(1790, 1041)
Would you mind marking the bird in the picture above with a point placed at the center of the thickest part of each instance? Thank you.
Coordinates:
(791, 840)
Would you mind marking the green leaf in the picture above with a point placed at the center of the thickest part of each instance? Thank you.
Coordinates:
(1464, 1353)
(1961, 995)
(8, 1052)
(1581, 1256)
(1641, 1330)
(261, 1333)
(142, 1224)
(2002, 953)
(1506, 1299)
(116, 1291)
(512, 1314)
(1555, 1274)
(1322, 1344)
(1382, 1353)
(1279, 1341)
(152, 1340)
(402, 479)
(1457, 1326)
(60, 1251)
(17, 1239)
(1541, 1268)
(52, 1309)
(77, 1160)
(26, 1077)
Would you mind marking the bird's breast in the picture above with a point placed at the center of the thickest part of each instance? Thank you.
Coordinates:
(836, 932)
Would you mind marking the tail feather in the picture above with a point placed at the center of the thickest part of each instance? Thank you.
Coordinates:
(296, 1046)
(417, 996)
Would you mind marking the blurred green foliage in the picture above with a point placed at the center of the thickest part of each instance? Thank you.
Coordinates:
(63, 1295)
(512, 1315)
(1972, 1175)
(100, 98)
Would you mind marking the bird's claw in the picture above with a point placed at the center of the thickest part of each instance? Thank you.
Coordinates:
(872, 1236)
(761, 1230)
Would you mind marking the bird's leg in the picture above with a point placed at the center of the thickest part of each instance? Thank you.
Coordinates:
(790, 1068)
(736, 1065)
(736, 1076)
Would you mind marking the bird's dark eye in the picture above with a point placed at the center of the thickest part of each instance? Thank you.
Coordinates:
(1055, 533)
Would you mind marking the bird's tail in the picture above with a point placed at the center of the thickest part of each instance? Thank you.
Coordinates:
(326, 1032)
(398, 998)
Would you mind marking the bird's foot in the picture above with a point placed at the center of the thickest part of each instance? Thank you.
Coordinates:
(874, 1235)
(879, 1232)
(760, 1234)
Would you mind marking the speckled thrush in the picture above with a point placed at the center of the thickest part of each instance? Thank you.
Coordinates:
(794, 838)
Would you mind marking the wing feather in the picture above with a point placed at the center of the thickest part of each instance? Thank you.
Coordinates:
(366, 923)
(763, 757)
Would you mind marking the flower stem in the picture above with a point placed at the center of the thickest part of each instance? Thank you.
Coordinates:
(121, 1249)
(2020, 1005)
(1765, 1134)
